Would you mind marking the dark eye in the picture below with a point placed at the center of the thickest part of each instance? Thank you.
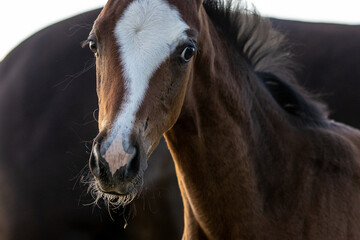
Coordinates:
(93, 47)
(187, 53)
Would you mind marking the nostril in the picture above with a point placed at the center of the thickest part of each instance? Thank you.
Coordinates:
(95, 157)
(94, 161)
(133, 166)
(100, 137)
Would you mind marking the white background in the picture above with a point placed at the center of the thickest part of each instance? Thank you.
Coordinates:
(20, 19)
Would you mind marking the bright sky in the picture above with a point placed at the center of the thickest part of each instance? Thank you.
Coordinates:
(20, 19)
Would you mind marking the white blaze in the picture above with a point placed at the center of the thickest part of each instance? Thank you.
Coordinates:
(147, 33)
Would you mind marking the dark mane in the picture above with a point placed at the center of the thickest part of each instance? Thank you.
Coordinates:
(267, 52)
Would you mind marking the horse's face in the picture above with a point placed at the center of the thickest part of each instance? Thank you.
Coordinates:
(144, 52)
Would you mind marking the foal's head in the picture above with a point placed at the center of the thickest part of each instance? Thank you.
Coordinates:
(145, 53)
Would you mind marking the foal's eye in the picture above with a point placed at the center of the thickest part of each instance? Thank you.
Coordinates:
(187, 53)
(93, 47)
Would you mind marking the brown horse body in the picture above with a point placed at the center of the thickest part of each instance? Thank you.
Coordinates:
(249, 171)
(256, 158)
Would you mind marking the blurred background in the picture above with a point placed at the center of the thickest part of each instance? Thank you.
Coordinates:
(47, 95)
(20, 19)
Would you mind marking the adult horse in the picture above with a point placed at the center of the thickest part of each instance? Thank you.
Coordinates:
(255, 156)
(47, 103)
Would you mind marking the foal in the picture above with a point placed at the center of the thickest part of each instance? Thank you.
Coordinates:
(256, 158)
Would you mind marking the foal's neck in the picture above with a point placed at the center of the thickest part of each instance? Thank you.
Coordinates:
(214, 144)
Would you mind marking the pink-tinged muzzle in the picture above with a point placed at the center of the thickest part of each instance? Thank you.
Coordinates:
(119, 174)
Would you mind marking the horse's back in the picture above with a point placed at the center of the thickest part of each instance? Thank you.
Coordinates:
(328, 56)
